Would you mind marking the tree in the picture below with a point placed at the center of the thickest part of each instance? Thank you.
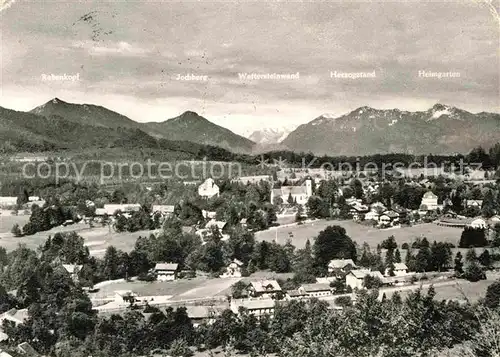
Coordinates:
(372, 282)
(290, 199)
(485, 258)
(397, 256)
(179, 348)
(16, 231)
(423, 260)
(474, 272)
(489, 207)
(299, 215)
(473, 237)
(332, 243)
(389, 243)
(440, 256)
(492, 298)
(459, 265)
(238, 290)
(317, 207)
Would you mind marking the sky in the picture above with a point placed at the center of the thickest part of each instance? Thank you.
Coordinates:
(128, 56)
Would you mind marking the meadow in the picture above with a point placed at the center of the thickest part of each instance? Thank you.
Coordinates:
(359, 233)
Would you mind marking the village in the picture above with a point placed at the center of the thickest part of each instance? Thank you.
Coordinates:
(300, 204)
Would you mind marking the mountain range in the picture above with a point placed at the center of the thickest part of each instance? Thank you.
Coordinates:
(269, 136)
(441, 129)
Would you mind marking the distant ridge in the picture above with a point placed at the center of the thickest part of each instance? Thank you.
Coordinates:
(189, 126)
(441, 129)
(88, 114)
(192, 127)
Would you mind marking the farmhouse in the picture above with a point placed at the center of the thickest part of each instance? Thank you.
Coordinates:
(164, 210)
(252, 179)
(473, 203)
(389, 219)
(111, 209)
(208, 189)
(208, 214)
(429, 202)
(125, 296)
(400, 269)
(264, 289)
(8, 201)
(358, 212)
(202, 314)
(337, 266)
(73, 270)
(233, 270)
(478, 223)
(18, 317)
(295, 295)
(299, 194)
(257, 308)
(355, 278)
(316, 290)
(372, 216)
(166, 271)
(378, 207)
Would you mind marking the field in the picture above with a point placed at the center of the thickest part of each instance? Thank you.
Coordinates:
(360, 233)
(179, 290)
(7, 221)
(96, 238)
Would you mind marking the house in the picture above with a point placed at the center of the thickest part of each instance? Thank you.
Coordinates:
(166, 271)
(33, 198)
(214, 223)
(358, 212)
(372, 216)
(14, 315)
(190, 183)
(202, 314)
(378, 207)
(111, 209)
(416, 172)
(264, 289)
(295, 295)
(257, 308)
(125, 296)
(208, 189)
(233, 270)
(208, 214)
(429, 202)
(164, 210)
(355, 278)
(400, 269)
(316, 290)
(478, 223)
(25, 349)
(252, 179)
(299, 194)
(389, 219)
(338, 266)
(473, 203)
(73, 270)
(8, 201)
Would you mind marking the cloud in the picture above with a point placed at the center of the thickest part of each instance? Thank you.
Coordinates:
(121, 48)
(6, 4)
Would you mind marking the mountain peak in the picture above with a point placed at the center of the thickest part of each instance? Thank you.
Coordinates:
(189, 113)
(439, 106)
(57, 101)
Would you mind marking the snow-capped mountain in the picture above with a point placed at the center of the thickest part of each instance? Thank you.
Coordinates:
(365, 130)
(267, 136)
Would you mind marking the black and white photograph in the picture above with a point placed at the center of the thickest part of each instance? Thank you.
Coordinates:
(249, 178)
